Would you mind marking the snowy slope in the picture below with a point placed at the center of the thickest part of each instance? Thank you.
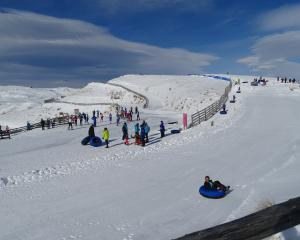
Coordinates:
(19, 104)
(175, 93)
(54, 188)
(168, 95)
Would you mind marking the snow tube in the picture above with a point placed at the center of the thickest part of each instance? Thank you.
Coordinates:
(223, 112)
(174, 131)
(211, 193)
(95, 142)
(232, 101)
(85, 141)
(238, 91)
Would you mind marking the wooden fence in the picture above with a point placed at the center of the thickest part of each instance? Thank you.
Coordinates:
(211, 110)
(258, 225)
(57, 121)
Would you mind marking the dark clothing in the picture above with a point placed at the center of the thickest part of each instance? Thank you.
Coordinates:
(125, 132)
(106, 142)
(91, 132)
(162, 130)
(210, 185)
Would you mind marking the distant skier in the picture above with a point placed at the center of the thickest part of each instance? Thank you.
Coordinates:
(91, 131)
(214, 185)
(162, 129)
(125, 133)
(105, 136)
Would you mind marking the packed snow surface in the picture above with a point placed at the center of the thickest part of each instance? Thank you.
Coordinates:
(53, 188)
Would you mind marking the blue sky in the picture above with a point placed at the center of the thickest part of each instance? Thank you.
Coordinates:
(72, 42)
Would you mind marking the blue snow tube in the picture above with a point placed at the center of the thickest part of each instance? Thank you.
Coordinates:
(86, 140)
(211, 193)
(174, 131)
(95, 142)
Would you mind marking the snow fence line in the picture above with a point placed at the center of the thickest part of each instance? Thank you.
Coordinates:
(146, 105)
(208, 112)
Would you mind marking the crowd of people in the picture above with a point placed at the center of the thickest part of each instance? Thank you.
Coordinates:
(286, 80)
(4, 132)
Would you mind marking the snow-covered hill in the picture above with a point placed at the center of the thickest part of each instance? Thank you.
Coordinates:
(51, 187)
(175, 93)
(169, 94)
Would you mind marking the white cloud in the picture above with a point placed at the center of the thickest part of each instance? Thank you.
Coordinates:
(274, 54)
(281, 18)
(37, 47)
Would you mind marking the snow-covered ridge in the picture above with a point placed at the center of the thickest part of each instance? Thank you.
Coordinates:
(173, 94)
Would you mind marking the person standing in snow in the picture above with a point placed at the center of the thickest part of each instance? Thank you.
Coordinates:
(138, 116)
(137, 134)
(105, 136)
(162, 129)
(101, 117)
(125, 133)
(7, 130)
(43, 124)
(91, 131)
(143, 134)
(97, 113)
(136, 110)
(28, 126)
(94, 118)
(147, 130)
(110, 118)
(70, 125)
(224, 107)
(118, 118)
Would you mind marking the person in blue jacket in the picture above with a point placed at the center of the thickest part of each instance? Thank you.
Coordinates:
(137, 128)
(162, 129)
(143, 133)
(147, 130)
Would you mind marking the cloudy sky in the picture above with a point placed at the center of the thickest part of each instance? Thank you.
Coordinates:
(72, 42)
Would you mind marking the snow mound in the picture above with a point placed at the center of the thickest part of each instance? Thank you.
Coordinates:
(175, 93)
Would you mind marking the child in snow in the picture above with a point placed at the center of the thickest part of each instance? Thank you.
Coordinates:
(105, 136)
(125, 134)
(214, 185)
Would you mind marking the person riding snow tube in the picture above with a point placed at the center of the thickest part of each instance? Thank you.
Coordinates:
(213, 189)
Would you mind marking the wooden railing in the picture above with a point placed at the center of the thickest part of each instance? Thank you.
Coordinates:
(211, 110)
(258, 225)
(57, 121)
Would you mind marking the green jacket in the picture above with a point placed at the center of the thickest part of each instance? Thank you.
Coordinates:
(105, 135)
